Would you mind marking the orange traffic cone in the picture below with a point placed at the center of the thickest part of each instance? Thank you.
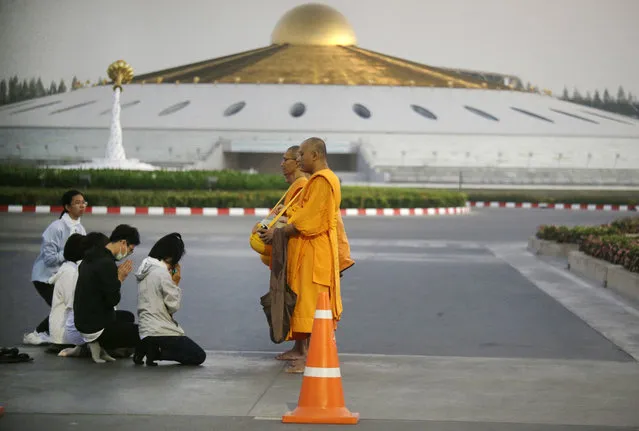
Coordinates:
(322, 397)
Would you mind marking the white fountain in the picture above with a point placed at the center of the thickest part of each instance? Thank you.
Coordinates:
(115, 157)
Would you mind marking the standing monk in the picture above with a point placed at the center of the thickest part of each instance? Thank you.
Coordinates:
(313, 256)
(296, 180)
(294, 176)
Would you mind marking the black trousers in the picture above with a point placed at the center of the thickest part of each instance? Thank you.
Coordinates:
(46, 292)
(172, 348)
(121, 332)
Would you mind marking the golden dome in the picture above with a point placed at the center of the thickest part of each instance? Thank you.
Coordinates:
(313, 24)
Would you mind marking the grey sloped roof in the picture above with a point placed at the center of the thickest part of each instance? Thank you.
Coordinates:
(319, 108)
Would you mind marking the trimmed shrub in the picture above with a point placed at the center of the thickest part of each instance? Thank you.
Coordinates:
(616, 249)
(627, 224)
(28, 176)
(351, 198)
(20, 176)
(574, 235)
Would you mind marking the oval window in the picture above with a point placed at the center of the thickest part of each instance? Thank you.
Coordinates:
(298, 109)
(481, 113)
(175, 108)
(568, 114)
(532, 114)
(423, 112)
(361, 110)
(69, 108)
(32, 108)
(122, 107)
(234, 108)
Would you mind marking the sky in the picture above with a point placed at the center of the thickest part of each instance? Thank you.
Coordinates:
(587, 44)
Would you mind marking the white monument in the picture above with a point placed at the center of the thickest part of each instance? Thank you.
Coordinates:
(115, 157)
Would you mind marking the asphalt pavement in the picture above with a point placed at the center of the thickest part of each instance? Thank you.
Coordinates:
(449, 323)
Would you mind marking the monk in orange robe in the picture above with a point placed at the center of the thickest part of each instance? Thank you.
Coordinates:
(313, 252)
(296, 180)
(294, 176)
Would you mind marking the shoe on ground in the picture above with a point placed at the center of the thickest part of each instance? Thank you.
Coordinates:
(36, 338)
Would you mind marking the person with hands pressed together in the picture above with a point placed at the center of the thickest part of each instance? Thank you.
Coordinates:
(313, 263)
(159, 298)
(97, 294)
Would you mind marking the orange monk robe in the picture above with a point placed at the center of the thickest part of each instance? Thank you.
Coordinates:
(345, 260)
(344, 249)
(297, 185)
(293, 189)
(313, 256)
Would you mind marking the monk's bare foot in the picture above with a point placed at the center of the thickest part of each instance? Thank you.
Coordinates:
(289, 355)
(296, 367)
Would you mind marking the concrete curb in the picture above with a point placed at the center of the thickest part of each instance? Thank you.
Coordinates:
(624, 282)
(125, 210)
(556, 206)
(608, 275)
(590, 267)
(185, 211)
(550, 248)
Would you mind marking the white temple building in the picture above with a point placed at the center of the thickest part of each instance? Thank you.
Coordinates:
(384, 119)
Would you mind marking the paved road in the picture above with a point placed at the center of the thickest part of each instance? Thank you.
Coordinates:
(421, 286)
(450, 313)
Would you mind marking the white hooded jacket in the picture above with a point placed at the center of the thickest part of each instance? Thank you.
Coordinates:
(61, 325)
(158, 299)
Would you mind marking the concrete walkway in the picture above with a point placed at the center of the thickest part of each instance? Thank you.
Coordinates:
(232, 387)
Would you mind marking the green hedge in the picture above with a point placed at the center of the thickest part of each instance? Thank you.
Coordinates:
(22, 176)
(351, 198)
(577, 234)
(627, 224)
(616, 249)
(107, 179)
(574, 235)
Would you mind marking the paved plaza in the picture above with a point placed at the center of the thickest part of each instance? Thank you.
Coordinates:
(449, 324)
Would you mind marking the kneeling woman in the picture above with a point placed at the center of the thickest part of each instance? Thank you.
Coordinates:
(159, 297)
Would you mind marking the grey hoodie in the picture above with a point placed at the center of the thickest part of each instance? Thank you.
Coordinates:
(158, 298)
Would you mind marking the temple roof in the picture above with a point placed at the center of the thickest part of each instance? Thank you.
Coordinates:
(315, 44)
(316, 64)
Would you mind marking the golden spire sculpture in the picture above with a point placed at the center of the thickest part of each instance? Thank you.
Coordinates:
(120, 73)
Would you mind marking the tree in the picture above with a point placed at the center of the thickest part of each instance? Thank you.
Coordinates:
(40, 91)
(24, 91)
(621, 95)
(576, 97)
(631, 97)
(596, 101)
(33, 88)
(588, 99)
(4, 96)
(565, 96)
(606, 97)
(62, 88)
(53, 89)
(75, 83)
(14, 89)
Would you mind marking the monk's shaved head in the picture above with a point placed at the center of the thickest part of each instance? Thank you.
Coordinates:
(293, 151)
(317, 145)
(312, 155)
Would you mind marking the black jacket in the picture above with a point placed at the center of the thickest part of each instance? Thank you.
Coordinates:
(96, 292)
